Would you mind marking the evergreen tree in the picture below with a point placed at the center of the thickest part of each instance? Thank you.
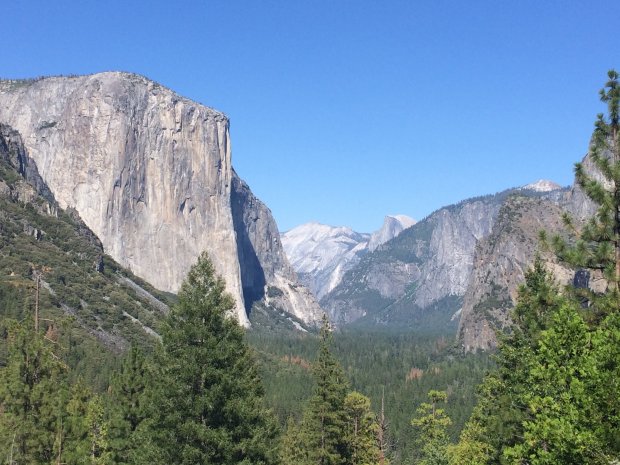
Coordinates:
(127, 405)
(432, 423)
(293, 449)
(209, 401)
(597, 246)
(31, 397)
(471, 449)
(324, 422)
(564, 424)
(361, 431)
(77, 440)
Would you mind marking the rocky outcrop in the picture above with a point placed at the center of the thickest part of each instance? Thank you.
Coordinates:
(500, 263)
(148, 171)
(502, 258)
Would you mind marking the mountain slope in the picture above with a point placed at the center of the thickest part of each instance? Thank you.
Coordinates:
(150, 173)
(501, 260)
(426, 263)
(503, 257)
(105, 305)
(321, 254)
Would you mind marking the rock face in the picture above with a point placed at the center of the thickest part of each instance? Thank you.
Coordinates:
(265, 272)
(392, 227)
(500, 262)
(148, 171)
(502, 258)
(322, 254)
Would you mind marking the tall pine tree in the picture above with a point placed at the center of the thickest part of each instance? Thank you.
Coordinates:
(432, 423)
(209, 399)
(31, 398)
(127, 405)
(597, 245)
(361, 431)
(324, 422)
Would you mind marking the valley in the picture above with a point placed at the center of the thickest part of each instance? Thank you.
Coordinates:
(132, 252)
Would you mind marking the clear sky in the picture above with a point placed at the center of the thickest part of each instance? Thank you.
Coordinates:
(343, 111)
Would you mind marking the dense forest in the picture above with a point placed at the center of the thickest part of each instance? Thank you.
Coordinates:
(203, 390)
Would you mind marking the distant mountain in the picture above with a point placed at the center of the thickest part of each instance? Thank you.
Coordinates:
(321, 254)
(423, 276)
(392, 227)
(542, 185)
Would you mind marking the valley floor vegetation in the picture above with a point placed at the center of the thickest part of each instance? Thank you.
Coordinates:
(551, 395)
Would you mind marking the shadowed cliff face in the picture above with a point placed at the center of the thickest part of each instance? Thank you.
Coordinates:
(148, 171)
(265, 270)
(244, 220)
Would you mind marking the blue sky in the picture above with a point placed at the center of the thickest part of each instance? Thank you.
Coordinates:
(343, 111)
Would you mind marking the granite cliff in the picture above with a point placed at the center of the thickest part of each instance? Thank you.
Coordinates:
(500, 262)
(150, 173)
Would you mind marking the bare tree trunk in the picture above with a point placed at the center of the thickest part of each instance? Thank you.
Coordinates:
(381, 439)
(36, 301)
(616, 160)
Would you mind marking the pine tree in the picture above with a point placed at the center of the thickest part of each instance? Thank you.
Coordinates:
(432, 423)
(471, 449)
(324, 422)
(77, 441)
(209, 401)
(31, 397)
(127, 405)
(293, 450)
(564, 424)
(361, 431)
(597, 246)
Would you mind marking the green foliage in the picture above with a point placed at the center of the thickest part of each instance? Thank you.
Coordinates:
(31, 386)
(127, 407)
(293, 450)
(324, 420)
(563, 424)
(374, 361)
(361, 430)
(471, 448)
(208, 399)
(433, 422)
(597, 245)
